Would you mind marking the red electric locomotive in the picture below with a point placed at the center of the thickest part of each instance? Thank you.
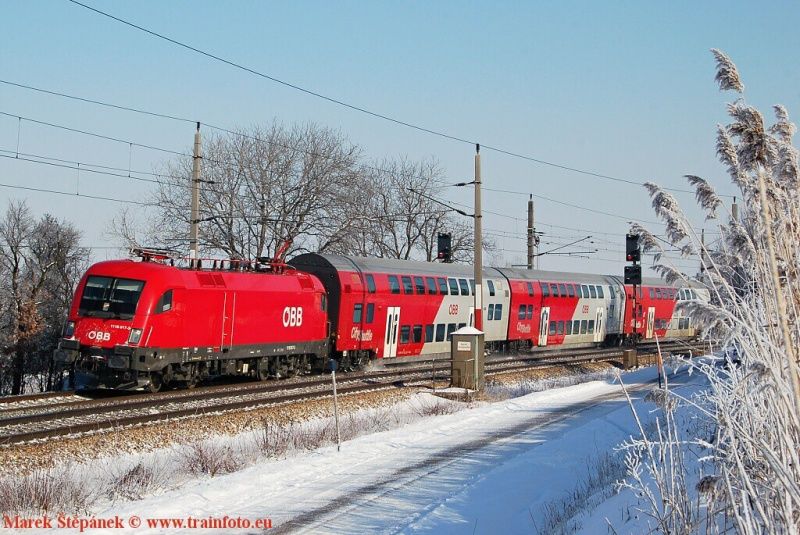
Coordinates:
(147, 324)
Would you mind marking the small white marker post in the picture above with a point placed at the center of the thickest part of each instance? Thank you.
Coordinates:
(333, 365)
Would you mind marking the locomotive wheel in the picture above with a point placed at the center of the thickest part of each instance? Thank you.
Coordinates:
(156, 382)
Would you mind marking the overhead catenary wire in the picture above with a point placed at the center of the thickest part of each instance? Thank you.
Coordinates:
(355, 107)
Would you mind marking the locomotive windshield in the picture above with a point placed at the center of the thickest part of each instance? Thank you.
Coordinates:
(109, 297)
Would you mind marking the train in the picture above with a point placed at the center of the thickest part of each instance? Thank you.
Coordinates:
(149, 323)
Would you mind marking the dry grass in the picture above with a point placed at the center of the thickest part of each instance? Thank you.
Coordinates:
(753, 398)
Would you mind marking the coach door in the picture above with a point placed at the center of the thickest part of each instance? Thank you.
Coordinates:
(392, 323)
(651, 315)
(545, 321)
(228, 318)
(598, 325)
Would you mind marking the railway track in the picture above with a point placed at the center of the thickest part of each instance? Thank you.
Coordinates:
(74, 415)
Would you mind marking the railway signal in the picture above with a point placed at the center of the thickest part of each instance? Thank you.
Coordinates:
(443, 247)
(633, 273)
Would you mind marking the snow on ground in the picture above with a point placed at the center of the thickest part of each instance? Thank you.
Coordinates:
(484, 470)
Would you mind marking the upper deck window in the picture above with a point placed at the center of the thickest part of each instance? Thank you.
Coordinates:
(394, 284)
(109, 297)
(407, 286)
(370, 283)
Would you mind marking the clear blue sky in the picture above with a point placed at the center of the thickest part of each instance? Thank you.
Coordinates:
(619, 88)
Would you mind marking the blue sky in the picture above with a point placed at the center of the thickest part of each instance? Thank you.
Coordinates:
(619, 88)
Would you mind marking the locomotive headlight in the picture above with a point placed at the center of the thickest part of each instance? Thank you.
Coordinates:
(135, 336)
(69, 329)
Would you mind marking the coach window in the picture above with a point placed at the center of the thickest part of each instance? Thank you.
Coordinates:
(545, 290)
(442, 285)
(417, 334)
(600, 292)
(431, 285)
(658, 293)
(405, 333)
(498, 311)
(568, 327)
(440, 332)
(592, 292)
(462, 325)
(591, 326)
(585, 290)
(472, 287)
(554, 290)
(530, 312)
(562, 290)
(450, 328)
(490, 315)
(576, 326)
(407, 286)
(584, 324)
(428, 333)
(419, 285)
(570, 290)
(464, 286)
(560, 327)
(453, 286)
(490, 284)
(552, 328)
(394, 284)
(357, 308)
(370, 283)
(370, 312)
(522, 309)
(164, 302)
(530, 289)
(652, 293)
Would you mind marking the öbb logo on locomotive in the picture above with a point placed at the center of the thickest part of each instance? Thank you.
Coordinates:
(98, 336)
(293, 316)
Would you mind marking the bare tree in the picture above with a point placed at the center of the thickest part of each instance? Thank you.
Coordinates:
(42, 263)
(260, 187)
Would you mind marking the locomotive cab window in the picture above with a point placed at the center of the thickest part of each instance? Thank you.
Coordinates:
(370, 283)
(109, 297)
(394, 284)
(164, 302)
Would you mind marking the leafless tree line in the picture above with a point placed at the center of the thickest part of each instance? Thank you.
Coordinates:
(41, 261)
(264, 185)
